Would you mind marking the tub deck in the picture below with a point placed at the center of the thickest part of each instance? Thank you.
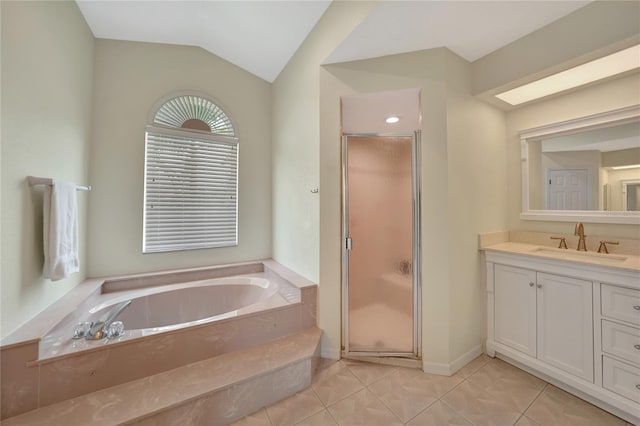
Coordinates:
(42, 365)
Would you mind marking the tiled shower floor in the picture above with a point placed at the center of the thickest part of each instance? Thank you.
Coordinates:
(485, 392)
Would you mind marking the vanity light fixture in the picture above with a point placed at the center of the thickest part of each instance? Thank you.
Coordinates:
(631, 166)
(392, 119)
(607, 66)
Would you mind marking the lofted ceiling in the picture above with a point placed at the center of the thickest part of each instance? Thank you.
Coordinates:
(262, 36)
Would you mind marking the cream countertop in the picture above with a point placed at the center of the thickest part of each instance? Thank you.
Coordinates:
(619, 261)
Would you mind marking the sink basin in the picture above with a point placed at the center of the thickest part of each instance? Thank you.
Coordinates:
(585, 256)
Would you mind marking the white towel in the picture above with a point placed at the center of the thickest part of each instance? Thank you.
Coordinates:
(60, 211)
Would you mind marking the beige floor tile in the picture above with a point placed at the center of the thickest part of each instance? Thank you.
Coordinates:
(479, 407)
(363, 408)
(558, 408)
(324, 363)
(439, 414)
(474, 365)
(508, 384)
(525, 421)
(328, 369)
(368, 372)
(323, 418)
(295, 408)
(259, 418)
(335, 383)
(407, 391)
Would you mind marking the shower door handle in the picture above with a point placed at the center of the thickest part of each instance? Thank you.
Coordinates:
(349, 243)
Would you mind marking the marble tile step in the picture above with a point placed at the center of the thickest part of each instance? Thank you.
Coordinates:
(215, 391)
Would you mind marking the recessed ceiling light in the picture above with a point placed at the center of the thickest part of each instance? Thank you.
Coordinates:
(392, 120)
(616, 63)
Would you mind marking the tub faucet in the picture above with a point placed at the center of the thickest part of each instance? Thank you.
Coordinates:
(582, 246)
(99, 328)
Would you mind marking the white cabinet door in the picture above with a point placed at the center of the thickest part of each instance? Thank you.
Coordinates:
(515, 308)
(565, 324)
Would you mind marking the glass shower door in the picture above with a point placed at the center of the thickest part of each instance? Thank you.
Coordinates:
(379, 245)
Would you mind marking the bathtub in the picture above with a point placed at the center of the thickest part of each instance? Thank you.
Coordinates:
(176, 318)
(183, 305)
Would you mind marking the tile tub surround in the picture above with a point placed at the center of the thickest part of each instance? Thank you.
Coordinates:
(485, 392)
(215, 391)
(80, 367)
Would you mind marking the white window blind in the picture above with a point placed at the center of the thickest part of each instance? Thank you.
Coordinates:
(191, 187)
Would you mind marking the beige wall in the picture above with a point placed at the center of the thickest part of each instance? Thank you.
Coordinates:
(588, 33)
(296, 99)
(47, 68)
(129, 78)
(594, 99)
(462, 169)
(623, 157)
(422, 70)
(477, 202)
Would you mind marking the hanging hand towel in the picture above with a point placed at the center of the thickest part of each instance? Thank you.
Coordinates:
(60, 213)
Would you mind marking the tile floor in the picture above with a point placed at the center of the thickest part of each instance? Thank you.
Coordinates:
(485, 392)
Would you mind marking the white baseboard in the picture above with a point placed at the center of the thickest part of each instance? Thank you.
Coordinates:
(436, 368)
(466, 358)
(450, 369)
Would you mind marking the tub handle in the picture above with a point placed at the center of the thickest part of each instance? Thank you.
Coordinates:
(99, 329)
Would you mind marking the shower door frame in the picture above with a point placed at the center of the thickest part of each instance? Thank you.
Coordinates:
(416, 260)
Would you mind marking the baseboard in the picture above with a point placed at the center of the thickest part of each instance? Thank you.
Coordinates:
(436, 368)
(450, 369)
(466, 358)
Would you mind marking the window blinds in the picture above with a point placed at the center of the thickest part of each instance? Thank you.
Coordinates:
(191, 187)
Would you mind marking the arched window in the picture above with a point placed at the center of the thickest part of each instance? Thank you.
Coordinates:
(190, 177)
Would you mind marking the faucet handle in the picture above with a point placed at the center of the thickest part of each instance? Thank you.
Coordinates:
(563, 242)
(115, 329)
(81, 330)
(603, 246)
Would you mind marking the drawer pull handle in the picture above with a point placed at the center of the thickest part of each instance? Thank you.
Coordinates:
(637, 347)
(539, 285)
(530, 284)
(637, 386)
(637, 307)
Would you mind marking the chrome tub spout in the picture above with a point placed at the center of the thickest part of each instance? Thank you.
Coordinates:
(99, 328)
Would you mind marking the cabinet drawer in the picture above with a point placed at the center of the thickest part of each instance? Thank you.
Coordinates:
(621, 303)
(621, 378)
(621, 340)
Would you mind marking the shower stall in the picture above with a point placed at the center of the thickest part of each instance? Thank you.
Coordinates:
(381, 245)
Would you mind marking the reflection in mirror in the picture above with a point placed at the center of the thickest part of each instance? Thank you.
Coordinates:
(594, 170)
(631, 195)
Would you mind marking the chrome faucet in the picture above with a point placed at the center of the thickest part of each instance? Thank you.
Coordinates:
(582, 246)
(99, 328)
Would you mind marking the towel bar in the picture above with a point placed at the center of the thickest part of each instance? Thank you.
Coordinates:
(47, 181)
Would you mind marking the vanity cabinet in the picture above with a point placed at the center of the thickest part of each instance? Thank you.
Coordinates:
(515, 308)
(574, 324)
(546, 316)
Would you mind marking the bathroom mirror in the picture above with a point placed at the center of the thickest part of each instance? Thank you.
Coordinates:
(586, 169)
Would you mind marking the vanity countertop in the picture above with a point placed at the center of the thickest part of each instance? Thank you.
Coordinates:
(627, 262)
